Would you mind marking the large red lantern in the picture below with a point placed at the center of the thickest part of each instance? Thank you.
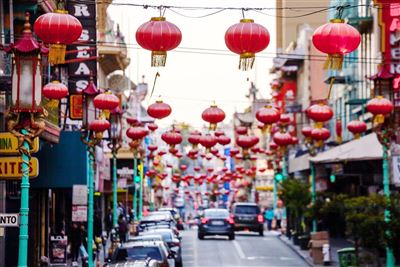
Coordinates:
(213, 115)
(336, 39)
(319, 113)
(136, 133)
(246, 141)
(158, 36)
(208, 141)
(106, 101)
(55, 90)
(282, 139)
(357, 128)
(320, 135)
(246, 39)
(159, 110)
(267, 115)
(379, 107)
(58, 29)
(172, 138)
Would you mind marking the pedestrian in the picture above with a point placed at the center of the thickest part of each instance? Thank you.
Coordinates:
(75, 241)
(121, 209)
(122, 228)
(97, 226)
(278, 214)
(269, 216)
(108, 221)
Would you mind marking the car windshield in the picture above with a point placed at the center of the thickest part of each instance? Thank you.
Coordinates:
(216, 213)
(137, 253)
(247, 210)
(166, 235)
(158, 217)
(153, 237)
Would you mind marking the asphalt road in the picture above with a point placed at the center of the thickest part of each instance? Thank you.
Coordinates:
(248, 249)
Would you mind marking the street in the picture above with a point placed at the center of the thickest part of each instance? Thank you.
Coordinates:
(248, 249)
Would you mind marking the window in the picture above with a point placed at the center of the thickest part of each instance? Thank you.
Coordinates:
(247, 210)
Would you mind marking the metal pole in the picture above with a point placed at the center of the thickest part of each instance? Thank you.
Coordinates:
(90, 207)
(141, 192)
(115, 205)
(275, 194)
(284, 170)
(134, 206)
(24, 210)
(390, 261)
(313, 194)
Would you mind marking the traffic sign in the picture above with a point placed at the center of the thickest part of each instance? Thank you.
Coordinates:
(9, 144)
(10, 167)
(9, 220)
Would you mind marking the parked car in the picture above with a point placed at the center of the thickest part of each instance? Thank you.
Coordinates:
(155, 220)
(248, 216)
(173, 242)
(135, 263)
(174, 212)
(131, 252)
(216, 222)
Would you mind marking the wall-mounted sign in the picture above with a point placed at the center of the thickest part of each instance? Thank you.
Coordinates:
(79, 213)
(75, 107)
(10, 167)
(79, 194)
(9, 144)
(9, 219)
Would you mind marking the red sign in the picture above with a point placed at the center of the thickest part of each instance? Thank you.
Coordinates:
(75, 112)
(390, 25)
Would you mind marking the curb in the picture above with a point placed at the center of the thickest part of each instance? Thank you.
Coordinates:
(305, 259)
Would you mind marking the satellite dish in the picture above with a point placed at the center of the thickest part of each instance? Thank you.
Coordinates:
(119, 83)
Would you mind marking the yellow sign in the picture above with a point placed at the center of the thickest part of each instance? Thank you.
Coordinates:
(10, 167)
(9, 144)
(264, 188)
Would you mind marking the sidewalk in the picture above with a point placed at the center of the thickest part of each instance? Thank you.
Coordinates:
(335, 245)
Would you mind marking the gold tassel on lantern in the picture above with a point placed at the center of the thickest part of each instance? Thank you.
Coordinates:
(379, 119)
(212, 127)
(246, 61)
(158, 58)
(339, 139)
(357, 136)
(57, 54)
(334, 62)
(319, 143)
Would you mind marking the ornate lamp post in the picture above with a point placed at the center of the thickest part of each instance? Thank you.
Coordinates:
(115, 145)
(25, 118)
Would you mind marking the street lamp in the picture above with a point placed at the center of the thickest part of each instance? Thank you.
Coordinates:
(115, 145)
(25, 119)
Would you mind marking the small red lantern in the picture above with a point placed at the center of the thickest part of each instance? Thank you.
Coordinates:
(219, 133)
(306, 131)
(295, 140)
(152, 126)
(246, 141)
(136, 133)
(99, 126)
(320, 135)
(106, 101)
(55, 90)
(240, 130)
(267, 115)
(319, 113)
(183, 167)
(336, 39)
(58, 29)
(273, 145)
(158, 36)
(159, 110)
(284, 119)
(379, 107)
(223, 140)
(234, 151)
(213, 115)
(208, 141)
(172, 138)
(152, 148)
(194, 139)
(282, 139)
(357, 128)
(246, 39)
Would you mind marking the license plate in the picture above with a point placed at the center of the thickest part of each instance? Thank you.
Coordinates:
(245, 218)
(217, 223)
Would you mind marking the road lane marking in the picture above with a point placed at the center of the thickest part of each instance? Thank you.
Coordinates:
(239, 249)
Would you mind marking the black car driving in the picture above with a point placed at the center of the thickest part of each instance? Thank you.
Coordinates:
(247, 216)
(216, 222)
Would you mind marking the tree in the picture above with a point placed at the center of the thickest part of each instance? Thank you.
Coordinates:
(392, 227)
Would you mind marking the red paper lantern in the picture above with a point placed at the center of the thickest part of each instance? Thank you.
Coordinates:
(319, 113)
(273, 145)
(55, 90)
(357, 128)
(282, 139)
(152, 147)
(106, 101)
(219, 133)
(194, 139)
(223, 140)
(267, 115)
(132, 121)
(246, 39)
(306, 131)
(336, 39)
(320, 135)
(234, 151)
(159, 110)
(295, 140)
(379, 107)
(99, 125)
(284, 119)
(246, 141)
(158, 36)
(240, 130)
(208, 141)
(172, 138)
(59, 30)
(136, 133)
(152, 126)
(183, 167)
(338, 129)
(213, 115)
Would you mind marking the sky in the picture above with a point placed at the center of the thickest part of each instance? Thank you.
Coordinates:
(190, 82)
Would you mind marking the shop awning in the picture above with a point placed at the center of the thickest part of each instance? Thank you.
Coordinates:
(299, 163)
(365, 148)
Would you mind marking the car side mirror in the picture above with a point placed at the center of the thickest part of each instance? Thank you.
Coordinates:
(172, 255)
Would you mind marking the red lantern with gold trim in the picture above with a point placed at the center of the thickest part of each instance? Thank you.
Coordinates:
(158, 36)
(213, 115)
(55, 90)
(357, 128)
(379, 107)
(159, 110)
(268, 115)
(319, 113)
(319, 135)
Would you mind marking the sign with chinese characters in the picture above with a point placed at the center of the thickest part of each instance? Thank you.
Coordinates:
(9, 144)
(79, 213)
(10, 167)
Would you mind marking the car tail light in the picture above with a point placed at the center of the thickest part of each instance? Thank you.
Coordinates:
(260, 218)
(230, 220)
(204, 220)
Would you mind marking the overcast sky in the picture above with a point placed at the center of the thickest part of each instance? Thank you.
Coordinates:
(191, 81)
